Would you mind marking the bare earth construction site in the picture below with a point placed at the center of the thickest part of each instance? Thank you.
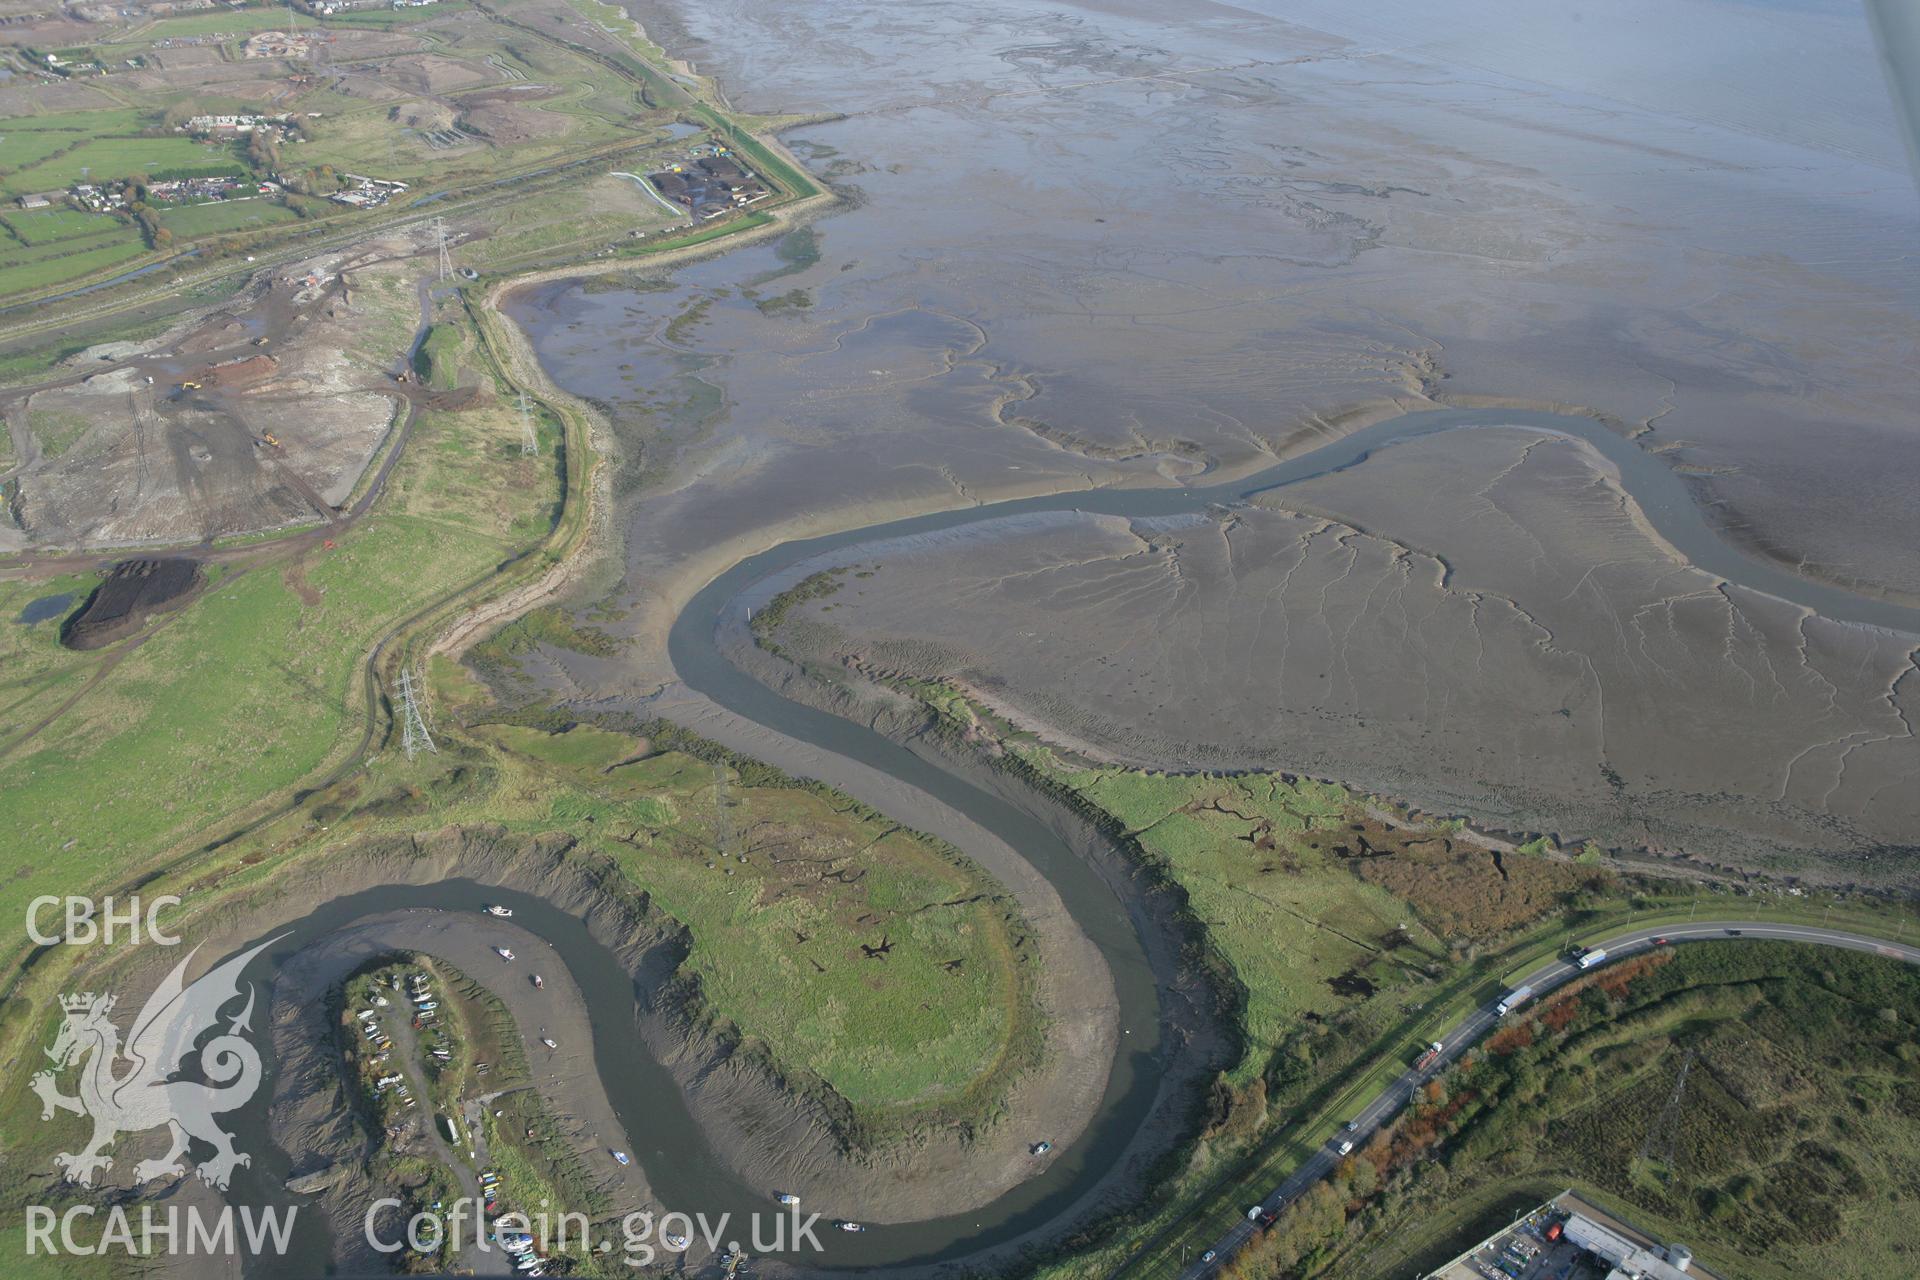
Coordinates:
(262, 416)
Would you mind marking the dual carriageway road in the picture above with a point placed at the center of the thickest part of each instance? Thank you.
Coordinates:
(1470, 1030)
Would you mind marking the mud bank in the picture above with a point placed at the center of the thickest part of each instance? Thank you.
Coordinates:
(1680, 698)
(313, 1118)
(640, 1065)
(1172, 1027)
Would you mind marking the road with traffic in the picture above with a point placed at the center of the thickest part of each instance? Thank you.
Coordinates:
(1475, 1027)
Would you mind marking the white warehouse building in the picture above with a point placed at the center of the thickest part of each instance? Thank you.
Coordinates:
(1630, 1261)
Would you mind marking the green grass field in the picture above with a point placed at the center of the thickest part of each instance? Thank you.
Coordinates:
(586, 217)
(54, 266)
(45, 248)
(1289, 917)
(140, 761)
(79, 124)
(16, 255)
(605, 99)
(224, 218)
(103, 159)
(26, 147)
(50, 226)
(237, 21)
(1263, 864)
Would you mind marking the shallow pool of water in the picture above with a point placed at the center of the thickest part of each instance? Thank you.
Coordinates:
(44, 608)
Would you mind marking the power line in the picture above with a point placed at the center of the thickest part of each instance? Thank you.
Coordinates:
(529, 443)
(414, 737)
(722, 817)
(1665, 1131)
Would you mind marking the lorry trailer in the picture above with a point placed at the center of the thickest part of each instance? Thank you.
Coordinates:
(1513, 1000)
(1593, 957)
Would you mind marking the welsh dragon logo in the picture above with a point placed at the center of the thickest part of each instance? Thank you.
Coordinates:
(146, 1095)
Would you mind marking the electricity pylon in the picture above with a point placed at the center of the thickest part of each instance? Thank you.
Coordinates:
(1665, 1131)
(529, 443)
(414, 737)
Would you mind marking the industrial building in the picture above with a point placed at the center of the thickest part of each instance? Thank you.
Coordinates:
(1569, 1238)
(710, 185)
(1630, 1260)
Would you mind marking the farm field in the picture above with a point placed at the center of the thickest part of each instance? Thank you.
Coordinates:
(40, 227)
(98, 159)
(224, 217)
(441, 99)
(66, 260)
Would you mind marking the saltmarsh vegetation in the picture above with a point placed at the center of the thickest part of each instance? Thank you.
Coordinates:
(1344, 933)
(870, 967)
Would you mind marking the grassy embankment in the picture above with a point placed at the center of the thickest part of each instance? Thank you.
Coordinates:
(1794, 1149)
(131, 757)
(128, 758)
(868, 966)
(245, 694)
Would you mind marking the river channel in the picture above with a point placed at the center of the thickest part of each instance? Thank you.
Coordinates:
(677, 1158)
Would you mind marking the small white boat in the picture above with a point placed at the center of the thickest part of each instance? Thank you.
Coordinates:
(550, 1044)
(621, 1157)
(498, 910)
(1040, 1148)
(674, 1240)
(539, 983)
(503, 952)
(786, 1197)
(849, 1226)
